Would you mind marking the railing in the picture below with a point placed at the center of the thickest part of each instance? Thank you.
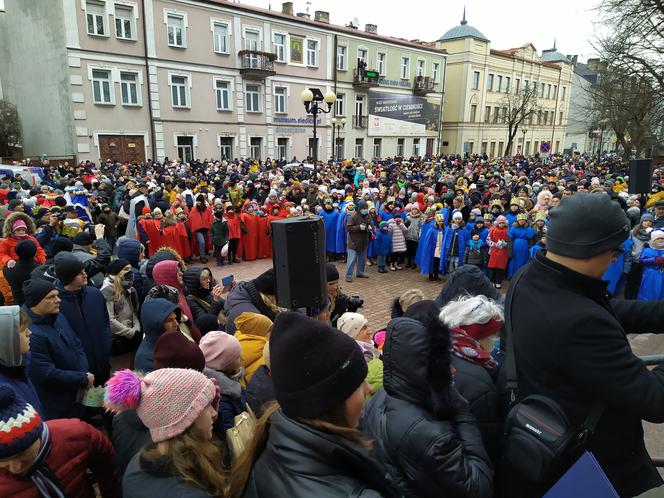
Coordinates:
(360, 121)
(364, 77)
(257, 63)
(423, 84)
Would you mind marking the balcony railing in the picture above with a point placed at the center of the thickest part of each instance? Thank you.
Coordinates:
(360, 121)
(363, 77)
(256, 65)
(423, 85)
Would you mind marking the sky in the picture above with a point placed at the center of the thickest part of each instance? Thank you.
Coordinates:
(507, 23)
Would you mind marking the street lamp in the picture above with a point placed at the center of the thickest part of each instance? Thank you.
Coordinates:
(524, 130)
(337, 125)
(602, 125)
(312, 98)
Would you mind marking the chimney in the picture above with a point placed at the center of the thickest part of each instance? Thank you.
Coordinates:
(371, 28)
(287, 8)
(322, 16)
(593, 64)
(303, 15)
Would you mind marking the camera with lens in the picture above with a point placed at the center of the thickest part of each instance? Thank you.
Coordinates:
(349, 303)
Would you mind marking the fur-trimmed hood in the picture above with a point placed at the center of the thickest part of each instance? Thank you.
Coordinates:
(17, 215)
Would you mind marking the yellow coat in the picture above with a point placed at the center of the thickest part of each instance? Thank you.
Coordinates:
(252, 352)
(659, 196)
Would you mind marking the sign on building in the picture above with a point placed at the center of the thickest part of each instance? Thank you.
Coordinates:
(394, 115)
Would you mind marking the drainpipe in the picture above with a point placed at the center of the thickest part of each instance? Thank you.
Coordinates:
(442, 104)
(334, 62)
(147, 74)
(555, 112)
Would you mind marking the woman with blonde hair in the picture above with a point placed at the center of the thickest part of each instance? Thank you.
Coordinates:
(122, 303)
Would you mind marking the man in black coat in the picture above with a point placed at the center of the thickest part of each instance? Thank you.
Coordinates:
(571, 344)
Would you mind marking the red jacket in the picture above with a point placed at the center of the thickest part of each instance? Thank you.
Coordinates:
(200, 220)
(76, 448)
(8, 250)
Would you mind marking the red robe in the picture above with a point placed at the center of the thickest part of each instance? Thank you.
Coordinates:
(171, 238)
(250, 239)
(152, 228)
(498, 257)
(264, 241)
(270, 219)
(200, 221)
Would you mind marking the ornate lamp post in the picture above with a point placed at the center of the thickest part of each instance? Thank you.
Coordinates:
(524, 130)
(338, 124)
(313, 98)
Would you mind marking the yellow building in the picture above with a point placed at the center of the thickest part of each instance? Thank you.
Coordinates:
(478, 80)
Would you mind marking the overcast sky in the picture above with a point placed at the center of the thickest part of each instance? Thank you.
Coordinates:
(507, 23)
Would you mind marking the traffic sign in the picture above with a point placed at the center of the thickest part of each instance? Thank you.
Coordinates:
(545, 147)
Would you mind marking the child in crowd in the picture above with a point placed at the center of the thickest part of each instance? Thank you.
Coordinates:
(383, 245)
(219, 235)
(497, 241)
(652, 259)
(455, 242)
(476, 254)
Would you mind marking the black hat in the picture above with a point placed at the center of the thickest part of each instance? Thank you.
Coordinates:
(314, 366)
(116, 266)
(62, 244)
(82, 238)
(659, 204)
(41, 212)
(67, 266)
(35, 290)
(332, 272)
(266, 283)
(605, 226)
(13, 203)
(26, 250)
(207, 323)
(69, 209)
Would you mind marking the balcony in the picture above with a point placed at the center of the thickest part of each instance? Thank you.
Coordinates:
(364, 78)
(422, 85)
(256, 65)
(360, 121)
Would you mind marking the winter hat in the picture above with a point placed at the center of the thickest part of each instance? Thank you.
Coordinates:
(383, 224)
(116, 266)
(20, 424)
(655, 234)
(314, 366)
(604, 228)
(647, 217)
(168, 401)
(82, 238)
(331, 272)
(220, 349)
(62, 244)
(207, 323)
(457, 215)
(351, 323)
(379, 339)
(266, 282)
(26, 250)
(501, 219)
(410, 297)
(67, 266)
(174, 350)
(19, 224)
(35, 290)
(253, 324)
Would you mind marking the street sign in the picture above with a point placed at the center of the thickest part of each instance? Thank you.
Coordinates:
(545, 147)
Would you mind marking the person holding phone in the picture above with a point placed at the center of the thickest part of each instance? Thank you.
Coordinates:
(204, 295)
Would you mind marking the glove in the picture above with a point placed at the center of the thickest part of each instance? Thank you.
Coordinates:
(659, 261)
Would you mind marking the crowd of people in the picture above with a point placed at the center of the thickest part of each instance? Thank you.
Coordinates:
(228, 394)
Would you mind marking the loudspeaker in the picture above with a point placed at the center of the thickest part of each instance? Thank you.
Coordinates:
(640, 176)
(298, 256)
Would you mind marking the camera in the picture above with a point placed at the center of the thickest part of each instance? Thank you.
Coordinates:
(349, 303)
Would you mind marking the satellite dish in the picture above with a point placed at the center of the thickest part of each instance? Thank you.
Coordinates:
(355, 22)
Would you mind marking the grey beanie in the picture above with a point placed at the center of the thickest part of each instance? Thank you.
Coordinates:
(605, 226)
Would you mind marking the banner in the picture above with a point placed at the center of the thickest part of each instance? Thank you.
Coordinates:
(398, 115)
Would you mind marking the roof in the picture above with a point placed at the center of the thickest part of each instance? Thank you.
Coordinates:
(585, 72)
(552, 55)
(463, 30)
(512, 55)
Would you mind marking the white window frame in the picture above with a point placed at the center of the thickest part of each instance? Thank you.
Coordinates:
(253, 29)
(357, 54)
(475, 84)
(435, 71)
(133, 16)
(499, 83)
(285, 46)
(214, 22)
(315, 52)
(185, 24)
(355, 146)
(377, 142)
(340, 105)
(262, 145)
(406, 75)
(111, 88)
(187, 90)
(104, 17)
(229, 90)
(421, 64)
(381, 66)
(275, 98)
(259, 100)
(490, 80)
(138, 83)
(344, 67)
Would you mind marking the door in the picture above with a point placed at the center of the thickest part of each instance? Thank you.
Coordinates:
(226, 147)
(430, 146)
(252, 42)
(122, 147)
(313, 148)
(339, 153)
(359, 109)
(282, 148)
(185, 147)
(255, 146)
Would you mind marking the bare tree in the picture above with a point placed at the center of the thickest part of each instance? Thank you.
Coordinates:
(10, 129)
(517, 108)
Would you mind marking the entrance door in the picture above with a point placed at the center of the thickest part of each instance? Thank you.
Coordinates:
(185, 146)
(122, 147)
(313, 148)
(252, 42)
(282, 148)
(226, 148)
(256, 147)
(430, 146)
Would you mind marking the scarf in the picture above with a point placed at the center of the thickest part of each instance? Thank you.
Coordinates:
(43, 478)
(368, 350)
(467, 348)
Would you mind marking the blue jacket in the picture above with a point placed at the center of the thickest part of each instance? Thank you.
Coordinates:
(621, 266)
(153, 315)
(330, 222)
(87, 315)
(383, 242)
(652, 282)
(17, 378)
(58, 366)
(463, 236)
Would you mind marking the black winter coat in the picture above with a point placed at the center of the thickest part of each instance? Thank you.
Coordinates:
(422, 431)
(200, 302)
(129, 437)
(260, 390)
(580, 354)
(300, 461)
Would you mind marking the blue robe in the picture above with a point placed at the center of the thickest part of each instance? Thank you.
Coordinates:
(371, 250)
(652, 283)
(614, 273)
(428, 246)
(463, 236)
(511, 219)
(426, 226)
(521, 237)
(535, 249)
(341, 233)
(330, 222)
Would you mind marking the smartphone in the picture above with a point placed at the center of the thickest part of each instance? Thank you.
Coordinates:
(227, 281)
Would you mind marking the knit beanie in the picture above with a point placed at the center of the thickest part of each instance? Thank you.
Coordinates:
(116, 266)
(253, 324)
(647, 217)
(174, 350)
(410, 297)
(26, 250)
(331, 272)
(604, 226)
(67, 266)
(501, 219)
(220, 349)
(35, 290)
(351, 323)
(20, 424)
(168, 401)
(61, 244)
(266, 283)
(314, 367)
(83, 238)
(19, 224)
(655, 234)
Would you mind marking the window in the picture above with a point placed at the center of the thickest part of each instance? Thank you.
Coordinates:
(256, 147)
(340, 148)
(419, 70)
(400, 147)
(359, 148)
(129, 88)
(557, 146)
(473, 113)
(220, 37)
(499, 84)
(124, 17)
(341, 57)
(252, 40)
(226, 147)
(476, 80)
(562, 97)
(555, 90)
(175, 30)
(416, 146)
(553, 117)
(489, 83)
(560, 118)
(548, 91)
(312, 53)
(546, 117)
(380, 63)
(496, 114)
(95, 14)
(179, 87)
(279, 41)
(535, 87)
(500, 148)
(282, 148)
(340, 109)
(405, 68)
(492, 152)
(542, 88)
(435, 67)
(525, 86)
(101, 86)
(222, 95)
(504, 114)
(362, 55)
(483, 147)
(359, 107)
(518, 84)
(377, 143)
(280, 100)
(185, 148)
(253, 98)
(487, 114)
(507, 84)
(539, 117)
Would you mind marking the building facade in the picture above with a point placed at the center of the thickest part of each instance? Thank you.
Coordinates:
(131, 80)
(480, 79)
